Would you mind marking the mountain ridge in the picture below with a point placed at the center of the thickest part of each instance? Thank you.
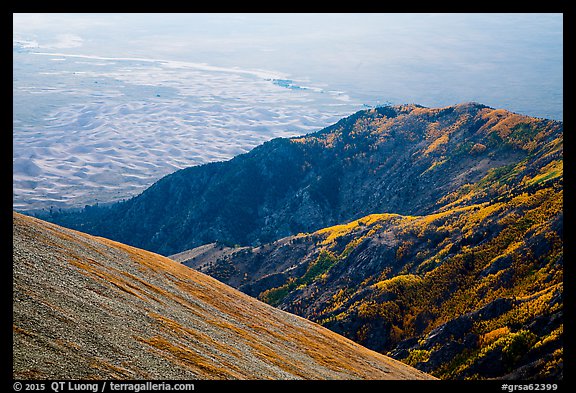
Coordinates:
(470, 290)
(408, 156)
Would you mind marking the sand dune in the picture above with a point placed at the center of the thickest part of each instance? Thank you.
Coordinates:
(103, 131)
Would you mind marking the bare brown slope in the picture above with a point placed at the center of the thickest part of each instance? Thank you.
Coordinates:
(87, 307)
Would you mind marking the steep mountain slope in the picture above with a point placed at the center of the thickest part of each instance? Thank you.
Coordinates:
(471, 290)
(402, 159)
(87, 307)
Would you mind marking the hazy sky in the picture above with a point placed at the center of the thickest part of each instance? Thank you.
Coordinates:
(512, 61)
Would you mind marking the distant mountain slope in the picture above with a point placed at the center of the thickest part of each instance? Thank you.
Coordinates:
(472, 290)
(90, 308)
(403, 159)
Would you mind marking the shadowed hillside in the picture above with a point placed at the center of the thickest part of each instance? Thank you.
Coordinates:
(90, 308)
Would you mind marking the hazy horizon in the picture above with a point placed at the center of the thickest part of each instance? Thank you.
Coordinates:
(489, 58)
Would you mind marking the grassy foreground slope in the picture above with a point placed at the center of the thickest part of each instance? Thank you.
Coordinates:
(90, 308)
